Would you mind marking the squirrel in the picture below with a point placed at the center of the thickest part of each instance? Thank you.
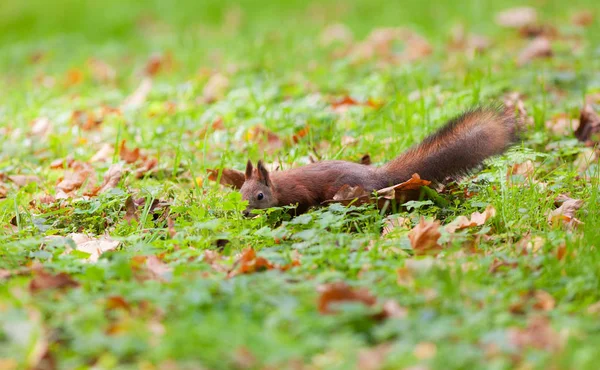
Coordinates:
(458, 148)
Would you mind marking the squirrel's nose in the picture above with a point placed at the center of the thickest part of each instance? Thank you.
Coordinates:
(246, 213)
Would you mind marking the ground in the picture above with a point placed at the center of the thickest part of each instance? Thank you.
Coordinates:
(118, 251)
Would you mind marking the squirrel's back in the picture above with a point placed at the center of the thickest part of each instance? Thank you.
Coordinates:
(457, 148)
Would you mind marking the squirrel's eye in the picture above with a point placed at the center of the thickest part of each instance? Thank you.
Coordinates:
(260, 196)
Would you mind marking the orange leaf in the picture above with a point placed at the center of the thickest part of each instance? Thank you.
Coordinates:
(229, 177)
(424, 237)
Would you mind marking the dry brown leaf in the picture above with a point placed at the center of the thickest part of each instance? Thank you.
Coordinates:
(565, 214)
(111, 179)
(341, 292)
(145, 167)
(44, 280)
(589, 126)
(3, 191)
(336, 33)
(130, 210)
(514, 101)
(215, 88)
(425, 350)
(538, 334)
(381, 43)
(41, 127)
(129, 156)
(150, 267)
(373, 358)
(75, 178)
(477, 219)
(516, 17)
(268, 140)
(104, 154)
(462, 41)
(229, 177)
(101, 71)
(395, 222)
(249, 263)
(86, 120)
(525, 169)
(424, 237)
(561, 124)
(540, 47)
(139, 96)
(583, 18)
(62, 162)
(94, 246)
(22, 180)
(400, 193)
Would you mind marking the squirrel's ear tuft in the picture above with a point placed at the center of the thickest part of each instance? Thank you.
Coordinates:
(249, 169)
(263, 174)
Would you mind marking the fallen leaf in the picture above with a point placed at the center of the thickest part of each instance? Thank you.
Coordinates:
(111, 179)
(349, 140)
(336, 33)
(101, 71)
(405, 277)
(373, 358)
(561, 124)
(86, 120)
(75, 178)
(513, 101)
(41, 127)
(395, 222)
(94, 246)
(424, 237)
(589, 126)
(171, 228)
(150, 267)
(341, 292)
(154, 65)
(44, 280)
(565, 214)
(130, 210)
(105, 154)
(74, 77)
(538, 334)
(229, 177)
(267, 140)
(139, 96)
(147, 165)
(425, 350)
(540, 47)
(129, 156)
(583, 18)
(462, 41)
(62, 162)
(516, 17)
(249, 263)
(381, 44)
(477, 219)
(215, 88)
(22, 180)
(525, 169)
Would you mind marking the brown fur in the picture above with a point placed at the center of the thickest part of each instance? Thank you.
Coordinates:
(457, 148)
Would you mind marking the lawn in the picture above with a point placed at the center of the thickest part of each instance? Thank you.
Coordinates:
(118, 249)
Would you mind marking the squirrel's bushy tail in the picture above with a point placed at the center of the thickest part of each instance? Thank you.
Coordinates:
(457, 148)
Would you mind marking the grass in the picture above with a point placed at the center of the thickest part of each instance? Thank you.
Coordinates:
(463, 311)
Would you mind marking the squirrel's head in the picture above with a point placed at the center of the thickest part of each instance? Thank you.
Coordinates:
(257, 189)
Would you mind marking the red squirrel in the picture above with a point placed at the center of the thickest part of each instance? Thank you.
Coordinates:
(458, 147)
